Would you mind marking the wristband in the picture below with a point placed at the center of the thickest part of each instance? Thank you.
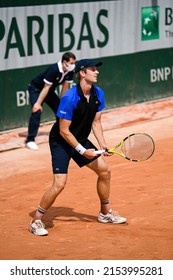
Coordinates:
(80, 149)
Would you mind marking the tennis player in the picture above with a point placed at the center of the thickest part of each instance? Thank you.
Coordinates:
(79, 112)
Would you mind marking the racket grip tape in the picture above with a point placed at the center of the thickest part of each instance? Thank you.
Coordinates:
(99, 152)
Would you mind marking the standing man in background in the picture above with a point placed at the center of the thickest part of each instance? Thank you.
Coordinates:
(42, 89)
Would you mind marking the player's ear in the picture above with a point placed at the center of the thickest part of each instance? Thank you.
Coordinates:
(83, 72)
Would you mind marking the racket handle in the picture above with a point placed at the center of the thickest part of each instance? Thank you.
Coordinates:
(99, 152)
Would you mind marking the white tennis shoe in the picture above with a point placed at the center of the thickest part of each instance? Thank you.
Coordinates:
(111, 217)
(38, 228)
(32, 146)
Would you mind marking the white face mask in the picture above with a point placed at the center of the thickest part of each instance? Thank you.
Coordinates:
(70, 67)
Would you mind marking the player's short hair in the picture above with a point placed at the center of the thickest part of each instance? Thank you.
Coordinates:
(78, 74)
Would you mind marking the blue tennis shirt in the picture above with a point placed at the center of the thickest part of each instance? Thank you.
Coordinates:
(70, 100)
(75, 108)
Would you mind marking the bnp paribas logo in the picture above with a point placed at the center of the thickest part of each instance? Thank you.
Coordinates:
(150, 23)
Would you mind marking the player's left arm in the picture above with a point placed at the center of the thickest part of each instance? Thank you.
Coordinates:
(65, 87)
(98, 132)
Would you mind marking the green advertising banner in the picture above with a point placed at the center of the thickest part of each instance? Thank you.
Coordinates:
(134, 39)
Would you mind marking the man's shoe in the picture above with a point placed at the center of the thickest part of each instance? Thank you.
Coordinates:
(32, 146)
(38, 228)
(111, 217)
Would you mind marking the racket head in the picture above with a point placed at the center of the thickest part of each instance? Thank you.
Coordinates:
(137, 147)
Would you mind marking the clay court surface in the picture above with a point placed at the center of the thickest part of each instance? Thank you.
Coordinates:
(142, 192)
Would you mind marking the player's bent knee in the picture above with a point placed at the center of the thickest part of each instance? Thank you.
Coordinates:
(105, 173)
(59, 183)
(57, 188)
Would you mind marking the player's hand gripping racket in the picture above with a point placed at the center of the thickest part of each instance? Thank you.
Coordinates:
(135, 147)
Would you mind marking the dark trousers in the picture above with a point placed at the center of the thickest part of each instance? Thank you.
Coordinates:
(52, 100)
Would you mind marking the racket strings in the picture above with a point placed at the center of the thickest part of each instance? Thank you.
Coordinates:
(138, 147)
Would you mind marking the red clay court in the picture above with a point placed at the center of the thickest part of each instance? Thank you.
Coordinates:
(142, 192)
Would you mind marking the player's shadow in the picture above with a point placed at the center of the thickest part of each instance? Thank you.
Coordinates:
(64, 214)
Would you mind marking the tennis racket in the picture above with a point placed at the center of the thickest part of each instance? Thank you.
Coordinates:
(135, 147)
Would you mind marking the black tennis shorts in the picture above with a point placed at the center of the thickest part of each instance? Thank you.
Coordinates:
(63, 153)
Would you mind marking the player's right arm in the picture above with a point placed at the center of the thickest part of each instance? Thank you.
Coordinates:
(64, 126)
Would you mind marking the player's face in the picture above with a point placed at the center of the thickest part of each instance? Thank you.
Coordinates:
(91, 74)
